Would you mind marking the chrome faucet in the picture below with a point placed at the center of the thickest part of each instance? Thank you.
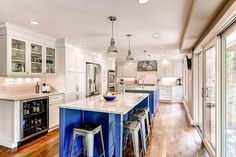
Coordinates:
(142, 80)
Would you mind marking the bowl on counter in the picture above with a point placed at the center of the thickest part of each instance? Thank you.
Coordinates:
(109, 96)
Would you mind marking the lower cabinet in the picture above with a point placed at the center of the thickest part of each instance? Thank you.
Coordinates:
(166, 93)
(54, 102)
(177, 93)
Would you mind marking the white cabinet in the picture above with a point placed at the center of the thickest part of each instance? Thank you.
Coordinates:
(166, 92)
(50, 60)
(165, 70)
(126, 70)
(170, 69)
(120, 70)
(25, 53)
(54, 102)
(177, 93)
(178, 69)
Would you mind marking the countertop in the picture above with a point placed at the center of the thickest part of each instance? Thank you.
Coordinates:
(19, 97)
(140, 88)
(121, 105)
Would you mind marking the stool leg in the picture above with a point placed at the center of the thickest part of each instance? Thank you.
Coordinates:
(103, 149)
(143, 135)
(135, 143)
(149, 127)
(84, 145)
(90, 145)
(72, 145)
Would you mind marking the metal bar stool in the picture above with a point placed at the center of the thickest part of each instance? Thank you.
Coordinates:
(141, 117)
(133, 128)
(88, 131)
(148, 117)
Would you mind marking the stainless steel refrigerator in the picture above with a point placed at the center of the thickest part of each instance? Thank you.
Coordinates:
(93, 79)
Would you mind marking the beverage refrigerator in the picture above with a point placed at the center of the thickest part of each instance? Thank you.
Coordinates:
(33, 117)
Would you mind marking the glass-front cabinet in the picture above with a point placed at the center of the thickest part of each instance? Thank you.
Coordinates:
(50, 60)
(18, 56)
(25, 53)
(28, 57)
(36, 58)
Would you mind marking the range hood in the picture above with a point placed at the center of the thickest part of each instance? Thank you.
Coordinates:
(147, 65)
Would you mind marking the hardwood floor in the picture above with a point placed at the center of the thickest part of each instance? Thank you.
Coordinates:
(171, 137)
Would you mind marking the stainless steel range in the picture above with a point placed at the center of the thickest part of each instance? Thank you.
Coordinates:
(93, 79)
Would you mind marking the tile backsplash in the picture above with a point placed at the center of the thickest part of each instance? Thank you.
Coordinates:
(22, 85)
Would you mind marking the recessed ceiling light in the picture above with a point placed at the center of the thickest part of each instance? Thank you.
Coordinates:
(84, 43)
(34, 22)
(143, 1)
(156, 35)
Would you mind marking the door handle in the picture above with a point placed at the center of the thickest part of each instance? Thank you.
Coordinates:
(202, 92)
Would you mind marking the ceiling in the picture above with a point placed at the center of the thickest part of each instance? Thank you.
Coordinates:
(201, 16)
(86, 21)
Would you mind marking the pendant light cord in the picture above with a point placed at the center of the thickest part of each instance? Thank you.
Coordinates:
(129, 42)
(112, 29)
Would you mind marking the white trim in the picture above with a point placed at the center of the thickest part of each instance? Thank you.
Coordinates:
(209, 45)
(53, 128)
(209, 148)
(190, 120)
(218, 96)
(7, 143)
(223, 88)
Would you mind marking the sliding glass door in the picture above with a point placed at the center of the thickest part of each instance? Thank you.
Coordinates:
(229, 90)
(210, 95)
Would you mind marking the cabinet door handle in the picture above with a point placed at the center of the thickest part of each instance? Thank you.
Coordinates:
(202, 92)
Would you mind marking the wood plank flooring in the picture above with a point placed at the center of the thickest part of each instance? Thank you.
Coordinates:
(172, 137)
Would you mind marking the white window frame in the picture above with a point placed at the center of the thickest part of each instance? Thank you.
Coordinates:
(227, 31)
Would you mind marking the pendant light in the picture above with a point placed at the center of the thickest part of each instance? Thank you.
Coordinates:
(112, 48)
(129, 57)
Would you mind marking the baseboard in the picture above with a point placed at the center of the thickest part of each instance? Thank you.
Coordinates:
(190, 120)
(53, 128)
(7, 143)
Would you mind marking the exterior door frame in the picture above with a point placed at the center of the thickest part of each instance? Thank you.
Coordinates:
(214, 42)
(197, 90)
(224, 34)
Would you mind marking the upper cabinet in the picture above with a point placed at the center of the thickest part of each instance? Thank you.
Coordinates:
(36, 58)
(170, 69)
(127, 70)
(25, 53)
(50, 60)
(18, 56)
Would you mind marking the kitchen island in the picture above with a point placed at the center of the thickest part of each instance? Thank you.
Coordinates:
(154, 95)
(110, 115)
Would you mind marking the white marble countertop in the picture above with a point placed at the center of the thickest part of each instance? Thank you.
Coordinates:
(19, 97)
(121, 105)
(140, 88)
